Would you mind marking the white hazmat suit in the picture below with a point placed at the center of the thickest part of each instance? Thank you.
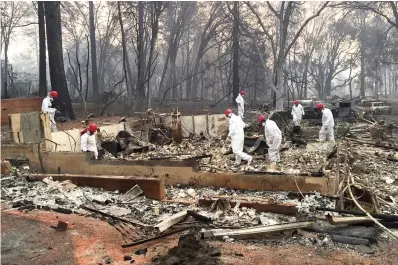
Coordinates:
(88, 143)
(274, 138)
(297, 113)
(241, 106)
(46, 109)
(326, 132)
(237, 135)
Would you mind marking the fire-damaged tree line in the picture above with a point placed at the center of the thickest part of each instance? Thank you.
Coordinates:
(135, 55)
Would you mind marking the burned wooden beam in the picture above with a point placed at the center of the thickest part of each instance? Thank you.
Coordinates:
(153, 187)
(154, 238)
(199, 217)
(261, 206)
(349, 240)
(172, 220)
(338, 220)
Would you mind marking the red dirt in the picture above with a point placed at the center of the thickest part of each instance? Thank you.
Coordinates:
(92, 240)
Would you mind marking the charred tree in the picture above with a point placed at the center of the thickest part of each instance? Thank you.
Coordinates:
(141, 53)
(157, 8)
(235, 55)
(42, 50)
(94, 72)
(55, 57)
(362, 55)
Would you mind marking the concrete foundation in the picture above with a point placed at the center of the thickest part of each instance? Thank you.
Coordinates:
(173, 172)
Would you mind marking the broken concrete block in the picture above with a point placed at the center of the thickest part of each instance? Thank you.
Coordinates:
(61, 226)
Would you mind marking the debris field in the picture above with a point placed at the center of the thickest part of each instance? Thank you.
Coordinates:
(362, 214)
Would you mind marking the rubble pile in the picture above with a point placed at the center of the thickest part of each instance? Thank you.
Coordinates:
(364, 161)
(372, 170)
(190, 251)
(226, 217)
(190, 148)
(222, 158)
(67, 197)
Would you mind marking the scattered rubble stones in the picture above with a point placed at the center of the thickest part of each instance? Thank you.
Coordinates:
(142, 251)
(127, 257)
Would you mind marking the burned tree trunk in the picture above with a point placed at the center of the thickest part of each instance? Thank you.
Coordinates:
(42, 51)
(141, 53)
(55, 57)
(235, 56)
(6, 69)
(94, 72)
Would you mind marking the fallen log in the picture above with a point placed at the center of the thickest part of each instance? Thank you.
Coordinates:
(385, 217)
(255, 231)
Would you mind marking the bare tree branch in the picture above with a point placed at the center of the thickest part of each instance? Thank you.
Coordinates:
(304, 25)
(264, 28)
(272, 9)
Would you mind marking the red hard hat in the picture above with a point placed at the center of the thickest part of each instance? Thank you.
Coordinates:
(227, 112)
(242, 92)
(54, 94)
(262, 118)
(296, 102)
(92, 127)
(320, 106)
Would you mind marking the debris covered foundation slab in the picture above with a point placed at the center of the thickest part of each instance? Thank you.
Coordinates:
(184, 172)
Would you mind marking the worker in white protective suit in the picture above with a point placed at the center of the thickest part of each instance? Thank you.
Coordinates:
(46, 108)
(273, 137)
(327, 130)
(297, 113)
(88, 142)
(241, 104)
(237, 135)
